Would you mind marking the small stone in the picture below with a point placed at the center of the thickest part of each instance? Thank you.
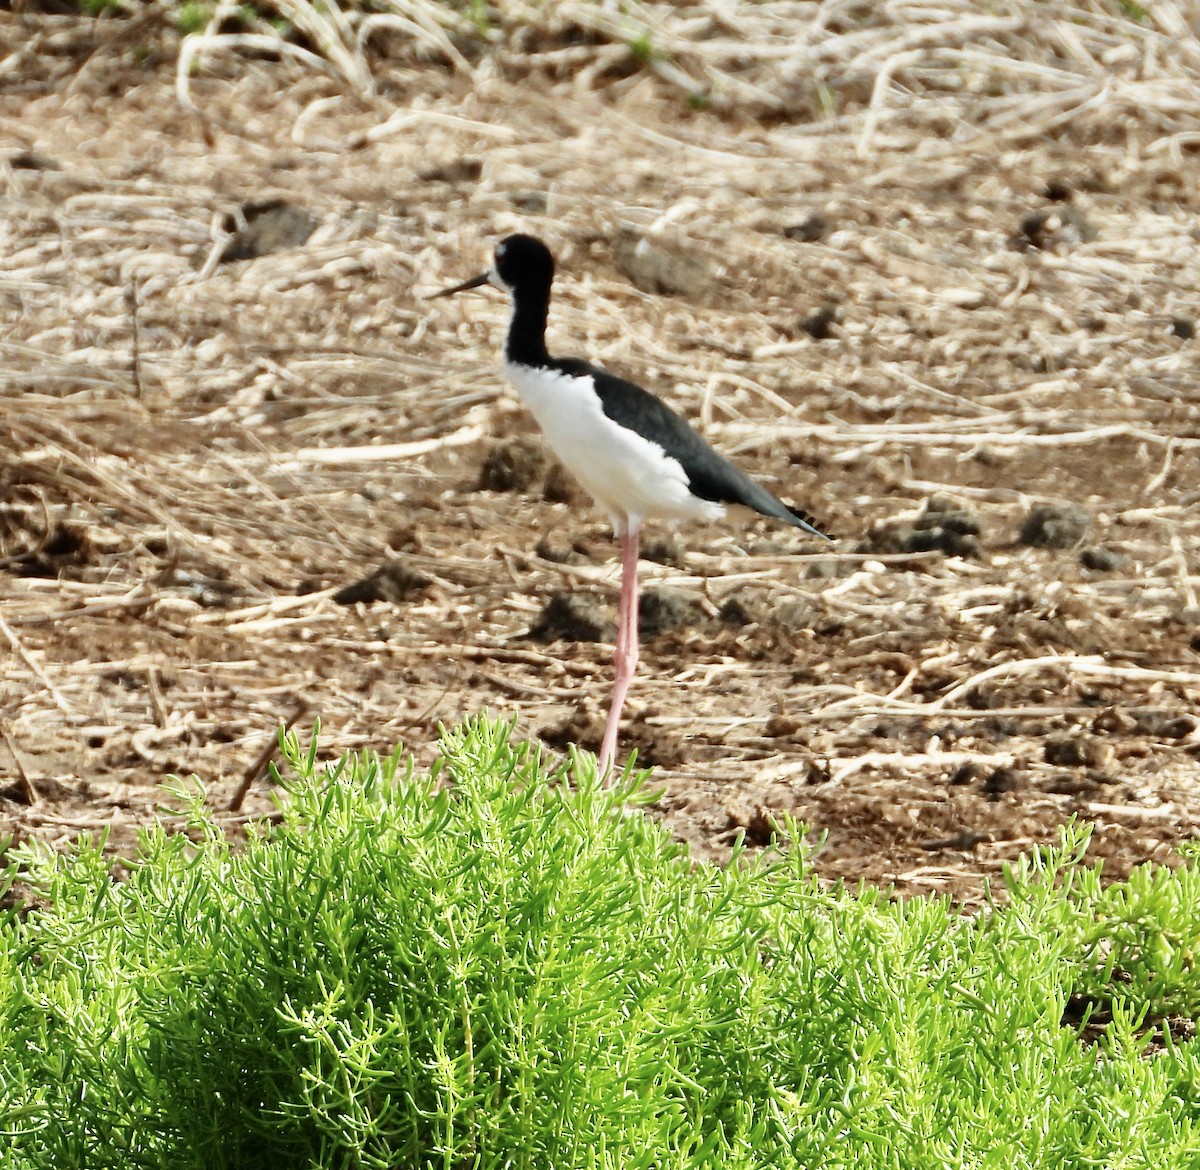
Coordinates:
(746, 610)
(1100, 559)
(664, 610)
(460, 170)
(1003, 779)
(272, 225)
(513, 465)
(559, 553)
(819, 325)
(809, 230)
(573, 617)
(658, 267)
(1180, 727)
(1062, 226)
(781, 726)
(394, 581)
(965, 773)
(583, 728)
(756, 823)
(561, 487)
(1114, 721)
(1055, 526)
(664, 550)
(533, 202)
(1081, 751)
(1183, 327)
(29, 160)
(1163, 725)
(945, 526)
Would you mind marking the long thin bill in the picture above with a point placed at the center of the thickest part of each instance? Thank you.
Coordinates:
(474, 282)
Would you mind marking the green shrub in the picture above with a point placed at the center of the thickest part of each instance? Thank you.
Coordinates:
(491, 967)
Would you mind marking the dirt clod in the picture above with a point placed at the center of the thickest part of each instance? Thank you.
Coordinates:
(1001, 780)
(664, 610)
(809, 230)
(273, 225)
(664, 550)
(560, 551)
(1100, 559)
(459, 170)
(395, 581)
(573, 617)
(944, 526)
(656, 266)
(1056, 526)
(1078, 750)
(819, 325)
(514, 465)
(561, 487)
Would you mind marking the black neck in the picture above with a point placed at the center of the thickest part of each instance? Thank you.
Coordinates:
(526, 343)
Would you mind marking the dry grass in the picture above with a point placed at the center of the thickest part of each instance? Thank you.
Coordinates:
(199, 454)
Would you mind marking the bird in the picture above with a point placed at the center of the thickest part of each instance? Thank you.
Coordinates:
(632, 453)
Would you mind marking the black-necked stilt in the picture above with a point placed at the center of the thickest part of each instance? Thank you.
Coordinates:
(636, 456)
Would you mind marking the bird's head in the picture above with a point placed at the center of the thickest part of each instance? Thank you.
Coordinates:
(519, 262)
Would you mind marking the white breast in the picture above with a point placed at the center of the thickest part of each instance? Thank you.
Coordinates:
(632, 478)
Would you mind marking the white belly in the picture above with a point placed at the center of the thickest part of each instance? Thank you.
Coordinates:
(632, 478)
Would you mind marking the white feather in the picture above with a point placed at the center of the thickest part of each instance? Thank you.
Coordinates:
(630, 477)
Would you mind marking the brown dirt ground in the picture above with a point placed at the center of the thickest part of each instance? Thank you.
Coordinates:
(183, 486)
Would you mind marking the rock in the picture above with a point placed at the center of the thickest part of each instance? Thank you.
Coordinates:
(560, 552)
(664, 550)
(274, 225)
(572, 617)
(513, 465)
(534, 202)
(664, 610)
(809, 230)
(1079, 751)
(966, 773)
(1100, 559)
(561, 487)
(584, 728)
(1057, 228)
(29, 160)
(781, 726)
(658, 267)
(754, 609)
(756, 823)
(1003, 779)
(745, 610)
(945, 526)
(394, 581)
(1114, 721)
(1055, 526)
(460, 170)
(1164, 725)
(819, 325)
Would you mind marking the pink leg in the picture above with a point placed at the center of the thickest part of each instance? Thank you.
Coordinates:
(625, 662)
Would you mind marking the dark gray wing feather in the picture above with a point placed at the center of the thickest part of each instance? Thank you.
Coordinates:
(710, 476)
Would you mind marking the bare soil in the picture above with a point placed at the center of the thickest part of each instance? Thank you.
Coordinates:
(920, 333)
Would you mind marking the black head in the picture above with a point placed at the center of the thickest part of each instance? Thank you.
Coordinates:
(521, 265)
(521, 262)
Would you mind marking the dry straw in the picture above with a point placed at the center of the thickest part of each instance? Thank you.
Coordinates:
(196, 455)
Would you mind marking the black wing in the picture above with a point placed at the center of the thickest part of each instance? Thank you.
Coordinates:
(710, 476)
